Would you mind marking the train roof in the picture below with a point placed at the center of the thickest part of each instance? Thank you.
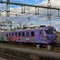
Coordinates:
(31, 28)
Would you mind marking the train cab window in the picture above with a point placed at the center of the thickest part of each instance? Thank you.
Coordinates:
(15, 33)
(27, 34)
(19, 33)
(23, 34)
(32, 33)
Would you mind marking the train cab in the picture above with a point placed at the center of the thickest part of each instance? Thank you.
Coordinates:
(51, 35)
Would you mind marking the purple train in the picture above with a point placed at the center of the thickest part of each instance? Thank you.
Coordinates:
(42, 35)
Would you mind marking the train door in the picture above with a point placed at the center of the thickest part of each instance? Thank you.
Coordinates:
(41, 33)
(9, 36)
(32, 36)
(37, 37)
(15, 37)
(28, 39)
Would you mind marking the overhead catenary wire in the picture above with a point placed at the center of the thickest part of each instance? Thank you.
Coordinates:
(23, 10)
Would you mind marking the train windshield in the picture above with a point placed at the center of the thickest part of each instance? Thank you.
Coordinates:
(50, 31)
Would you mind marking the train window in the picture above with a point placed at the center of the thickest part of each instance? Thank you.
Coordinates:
(15, 33)
(32, 33)
(49, 31)
(19, 34)
(6, 34)
(9, 34)
(27, 34)
(41, 32)
(23, 34)
(12, 34)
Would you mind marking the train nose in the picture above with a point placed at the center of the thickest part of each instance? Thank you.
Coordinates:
(52, 37)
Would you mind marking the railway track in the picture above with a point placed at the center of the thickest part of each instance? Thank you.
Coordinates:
(54, 49)
(11, 57)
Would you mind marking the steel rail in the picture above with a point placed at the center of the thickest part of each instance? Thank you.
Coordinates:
(12, 56)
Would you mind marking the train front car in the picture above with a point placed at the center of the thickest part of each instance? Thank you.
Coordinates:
(51, 35)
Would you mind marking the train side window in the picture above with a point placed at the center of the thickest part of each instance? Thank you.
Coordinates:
(23, 34)
(9, 34)
(19, 33)
(32, 33)
(41, 32)
(27, 34)
(12, 34)
(6, 34)
(15, 33)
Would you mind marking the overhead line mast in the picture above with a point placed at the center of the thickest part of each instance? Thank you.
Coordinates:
(49, 11)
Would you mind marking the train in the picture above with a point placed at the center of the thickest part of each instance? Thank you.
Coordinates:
(41, 35)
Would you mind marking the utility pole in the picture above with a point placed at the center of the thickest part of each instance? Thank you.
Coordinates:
(7, 8)
(8, 13)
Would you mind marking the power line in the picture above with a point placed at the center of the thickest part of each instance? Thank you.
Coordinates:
(22, 4)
